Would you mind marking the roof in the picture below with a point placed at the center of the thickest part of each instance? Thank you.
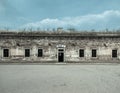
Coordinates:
(59, 34)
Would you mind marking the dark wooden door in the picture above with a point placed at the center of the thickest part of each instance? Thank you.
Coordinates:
(60, 57)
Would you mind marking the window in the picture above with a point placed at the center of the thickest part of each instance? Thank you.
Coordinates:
(61, 50)
(94, 52)
(40, 52)
(5, 52)
(114, 53)
(81, 53)
(27, 52)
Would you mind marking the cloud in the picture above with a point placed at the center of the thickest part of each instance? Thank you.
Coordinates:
(109, 19)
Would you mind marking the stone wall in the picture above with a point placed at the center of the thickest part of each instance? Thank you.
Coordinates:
(50, 46)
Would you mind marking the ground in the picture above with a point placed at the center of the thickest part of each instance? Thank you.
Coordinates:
(82, 78)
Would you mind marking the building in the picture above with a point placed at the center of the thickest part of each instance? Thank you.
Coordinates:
(59, 46)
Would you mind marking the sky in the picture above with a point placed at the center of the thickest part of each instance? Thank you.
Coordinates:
(49, 14)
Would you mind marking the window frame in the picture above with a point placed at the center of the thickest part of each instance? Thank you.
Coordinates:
(39, 55)
(94, 51)
(25, 52)
(7, 54)
(83, 54)
(115, 55)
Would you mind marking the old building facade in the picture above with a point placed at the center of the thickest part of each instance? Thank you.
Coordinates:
(59, 47)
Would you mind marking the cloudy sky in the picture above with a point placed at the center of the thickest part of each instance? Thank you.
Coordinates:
(43, 14)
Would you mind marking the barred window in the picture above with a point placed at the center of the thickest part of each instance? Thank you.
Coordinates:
(40, 52)
(114, 53)
(5, 52)
(27, 52)
(94, 52)
(81, 53)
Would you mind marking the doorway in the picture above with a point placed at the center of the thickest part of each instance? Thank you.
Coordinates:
(60, 55)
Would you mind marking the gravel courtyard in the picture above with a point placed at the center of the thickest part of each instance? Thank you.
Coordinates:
(60, 78)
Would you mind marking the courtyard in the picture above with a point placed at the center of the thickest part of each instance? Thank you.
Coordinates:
(60, 78)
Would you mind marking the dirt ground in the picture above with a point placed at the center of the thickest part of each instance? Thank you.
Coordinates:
(58, 78)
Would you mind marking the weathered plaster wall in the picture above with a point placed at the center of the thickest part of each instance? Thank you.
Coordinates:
(17, 46)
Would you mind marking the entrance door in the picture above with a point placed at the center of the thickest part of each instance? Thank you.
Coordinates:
(60, 55)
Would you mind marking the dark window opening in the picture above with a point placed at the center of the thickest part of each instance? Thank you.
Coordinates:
(27, 52)
(94, 52)
(61, 50)
(6, 53)
(114, 53)
(40, 52)
(81, 53)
